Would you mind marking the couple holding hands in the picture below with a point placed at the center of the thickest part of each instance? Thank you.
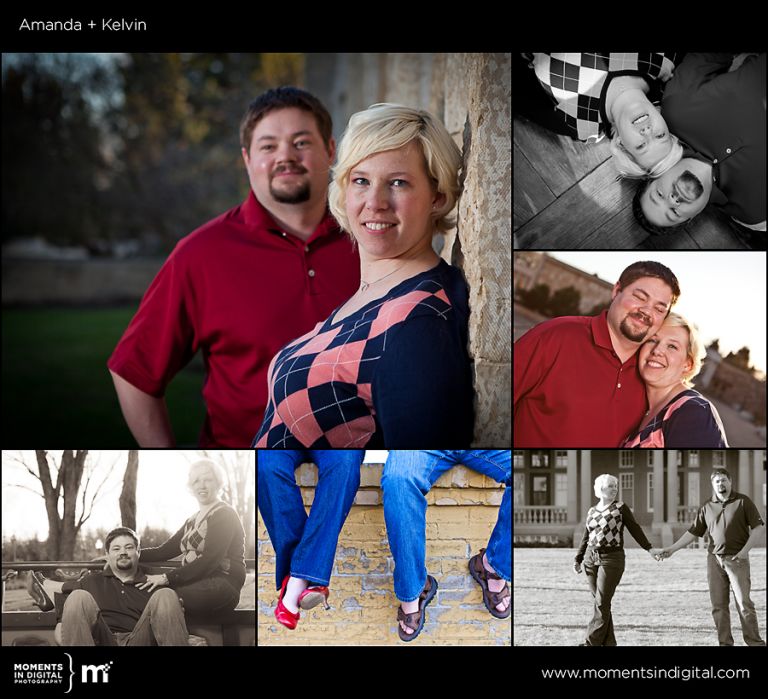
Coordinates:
(733, 525)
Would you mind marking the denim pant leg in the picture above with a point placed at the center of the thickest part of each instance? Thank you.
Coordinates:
(741, 584)
(496, 464)
(720, 597)
(280, 503)
(82, 623)
(604, 572)
(337, 483)
(408, 477)
(161, 623)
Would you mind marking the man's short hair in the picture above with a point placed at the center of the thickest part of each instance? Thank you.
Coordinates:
(121, 531)
(649, 268)
(720, 472)
(285, 97)
(640, 217)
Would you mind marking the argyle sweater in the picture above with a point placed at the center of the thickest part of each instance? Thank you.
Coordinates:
(395, 374)
(604, 530)
(578, 83)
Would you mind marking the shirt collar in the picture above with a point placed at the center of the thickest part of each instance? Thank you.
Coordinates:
(602, 337)
(732, 496)
(257, 216)
(141, 575)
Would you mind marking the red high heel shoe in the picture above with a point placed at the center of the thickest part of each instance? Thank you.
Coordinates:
(283, 615)
(313, 596)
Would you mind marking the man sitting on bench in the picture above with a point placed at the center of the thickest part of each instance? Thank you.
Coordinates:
(106, 608)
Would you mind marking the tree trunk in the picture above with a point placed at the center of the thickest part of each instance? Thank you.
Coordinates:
(128, 494)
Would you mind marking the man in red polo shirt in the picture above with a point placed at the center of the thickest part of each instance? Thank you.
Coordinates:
(576, 379)
(244, 284)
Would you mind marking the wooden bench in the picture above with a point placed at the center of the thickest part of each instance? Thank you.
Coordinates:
(232, 628)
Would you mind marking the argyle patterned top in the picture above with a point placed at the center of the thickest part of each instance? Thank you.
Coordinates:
(604, 530)
(687, 420)
(391, 374)
(577, 82)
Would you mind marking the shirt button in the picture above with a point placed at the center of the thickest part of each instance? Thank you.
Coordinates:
(311, 273)
(714, 161)
(306, 248)
(284, 234)
(727, 150)
(618, 386)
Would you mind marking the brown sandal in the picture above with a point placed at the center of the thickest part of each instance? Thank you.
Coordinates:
(481, 575)
(415, 620)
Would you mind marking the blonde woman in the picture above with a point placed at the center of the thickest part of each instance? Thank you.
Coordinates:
(602, 552)
(389, 368)
(677, 416)
(211, 544)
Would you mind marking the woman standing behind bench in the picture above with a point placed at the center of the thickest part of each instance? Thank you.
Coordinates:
(211, 543)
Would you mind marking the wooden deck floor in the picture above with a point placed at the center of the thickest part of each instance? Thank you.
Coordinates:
(566, 197)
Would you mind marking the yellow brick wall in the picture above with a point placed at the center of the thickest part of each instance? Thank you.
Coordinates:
(463, 509)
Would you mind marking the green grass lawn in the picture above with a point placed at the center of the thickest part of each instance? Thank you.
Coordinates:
(57, 391)
(656, 604)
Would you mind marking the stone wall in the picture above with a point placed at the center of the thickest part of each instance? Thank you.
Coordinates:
(464, 506)
(471, 94)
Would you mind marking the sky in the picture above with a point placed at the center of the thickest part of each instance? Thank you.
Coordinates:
(162, 499)
(723, 292)
(161, 496)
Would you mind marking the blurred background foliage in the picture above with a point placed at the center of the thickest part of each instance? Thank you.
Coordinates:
(99, 148)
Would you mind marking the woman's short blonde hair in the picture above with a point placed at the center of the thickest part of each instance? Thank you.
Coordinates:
(602, 481)
(384, 127)
(695, 350)
(628, 167)
(215, 469)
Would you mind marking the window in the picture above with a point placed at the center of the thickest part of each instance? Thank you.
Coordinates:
(518, 489)
(540, 491)
(650, 458)
(518, 459)
(649, 490)
(693, 458)
(718, 458)
(561, 458)
(561, 490)
(627, 489)
(540, 459)
(626, 458)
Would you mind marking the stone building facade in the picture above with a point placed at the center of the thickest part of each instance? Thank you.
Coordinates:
(532, 268)
(471, 94)
(552, 489)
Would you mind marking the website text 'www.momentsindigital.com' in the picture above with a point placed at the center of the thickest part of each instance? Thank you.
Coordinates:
(646, 673)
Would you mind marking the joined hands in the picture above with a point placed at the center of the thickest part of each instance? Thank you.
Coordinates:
(660, 554)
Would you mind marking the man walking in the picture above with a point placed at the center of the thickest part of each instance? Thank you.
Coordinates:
(734, 526)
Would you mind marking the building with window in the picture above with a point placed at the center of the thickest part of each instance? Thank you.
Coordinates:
(553, 489)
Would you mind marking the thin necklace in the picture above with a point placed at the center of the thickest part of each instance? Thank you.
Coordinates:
(364, 284)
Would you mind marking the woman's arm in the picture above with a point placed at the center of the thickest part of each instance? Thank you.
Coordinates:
(165, 552)
(422, 388)
(222, 526)
(634, 528)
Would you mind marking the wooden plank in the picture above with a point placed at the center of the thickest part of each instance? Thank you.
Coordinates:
(531, 194)
(559, 160)
(569, 222)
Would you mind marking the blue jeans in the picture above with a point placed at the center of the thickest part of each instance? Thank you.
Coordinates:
(305, 546)
(408, 477)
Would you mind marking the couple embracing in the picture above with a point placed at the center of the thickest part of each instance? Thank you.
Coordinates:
(305, 545)
(619, 379)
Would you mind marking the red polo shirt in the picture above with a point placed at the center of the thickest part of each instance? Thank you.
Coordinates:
(238, 288)
(571, 389)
